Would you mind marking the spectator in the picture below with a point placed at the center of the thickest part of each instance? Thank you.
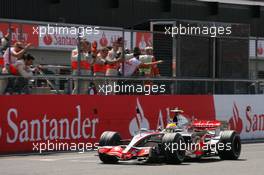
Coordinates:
(154, 68)
(4, 42)
(128, 54)
(99, 66)
(11, 55)
(3, 45)
(113, 58)
(100, 61)
(146, 58)
(113, 61)
(23, 67)
(86, 60)
(151, 71)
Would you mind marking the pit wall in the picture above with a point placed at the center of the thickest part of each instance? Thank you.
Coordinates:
(28, 120)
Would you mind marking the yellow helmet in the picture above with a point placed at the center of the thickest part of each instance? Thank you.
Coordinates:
(171, 125)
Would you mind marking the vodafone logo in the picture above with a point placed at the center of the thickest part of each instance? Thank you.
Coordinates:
(235, 122)
(47, 39)
(139, 121)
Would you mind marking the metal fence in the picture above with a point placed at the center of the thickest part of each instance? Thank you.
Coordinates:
(59, 84)
(193, 64)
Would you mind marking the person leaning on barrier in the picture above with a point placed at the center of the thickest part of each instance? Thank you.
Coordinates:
(11, 55)
(131, 65)
(150, 71)
(148, 57)
(86, 61)
(155, 72)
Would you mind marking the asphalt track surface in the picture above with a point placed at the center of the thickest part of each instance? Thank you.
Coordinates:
(251, 162)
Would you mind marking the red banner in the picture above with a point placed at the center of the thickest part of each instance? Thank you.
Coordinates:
(20, 32)
(25, 120)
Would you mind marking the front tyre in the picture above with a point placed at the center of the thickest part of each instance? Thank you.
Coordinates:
(109, 138)
(171, 147)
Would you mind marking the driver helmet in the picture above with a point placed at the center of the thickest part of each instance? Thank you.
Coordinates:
(171, 125)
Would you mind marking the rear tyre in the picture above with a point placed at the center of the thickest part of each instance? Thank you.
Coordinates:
(109, 138)
(171, 147)
(231, 143)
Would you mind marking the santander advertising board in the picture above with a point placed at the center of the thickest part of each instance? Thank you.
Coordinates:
(245, 113)
(29, 119)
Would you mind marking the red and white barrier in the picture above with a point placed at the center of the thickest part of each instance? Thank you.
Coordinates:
(29, 119)
(25, 120)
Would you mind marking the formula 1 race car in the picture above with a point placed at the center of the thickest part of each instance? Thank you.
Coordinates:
(174, 144)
